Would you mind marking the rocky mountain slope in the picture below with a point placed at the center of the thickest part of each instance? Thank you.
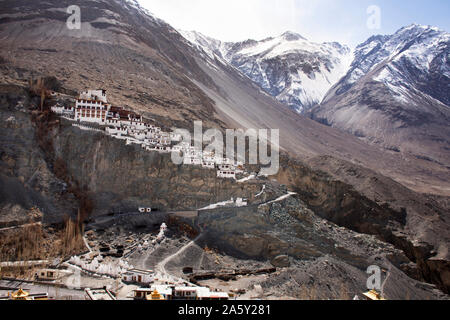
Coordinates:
(295, 71)
(396, 94)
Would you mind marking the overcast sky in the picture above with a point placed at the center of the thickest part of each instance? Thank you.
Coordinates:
(344, 21)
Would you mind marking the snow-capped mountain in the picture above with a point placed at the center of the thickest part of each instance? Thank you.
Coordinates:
(396, 93)
(296, 71)
(411, 57)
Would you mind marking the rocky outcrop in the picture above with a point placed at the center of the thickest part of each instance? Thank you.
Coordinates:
(287, 228)
(27, 179)
(370, 208)
(120, 177)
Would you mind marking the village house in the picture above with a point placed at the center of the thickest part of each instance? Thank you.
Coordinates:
(47, 275)
(138, 276)
(143, 293)
(185, 293)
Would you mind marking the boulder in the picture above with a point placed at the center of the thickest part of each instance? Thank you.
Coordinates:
(281, 261)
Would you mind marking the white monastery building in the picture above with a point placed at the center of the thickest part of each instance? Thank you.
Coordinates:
(92, 107)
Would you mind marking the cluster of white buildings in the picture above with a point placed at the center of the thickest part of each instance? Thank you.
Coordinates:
(92, 107)
(226, 168)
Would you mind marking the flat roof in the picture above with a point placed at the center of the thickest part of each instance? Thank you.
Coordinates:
(141, 271)
(99, 294)
(186, 288)
(144, 290)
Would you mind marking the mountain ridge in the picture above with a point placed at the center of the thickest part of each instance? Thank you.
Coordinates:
(396, 93)
(295, 71)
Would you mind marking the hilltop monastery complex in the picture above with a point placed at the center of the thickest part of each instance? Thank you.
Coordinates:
(92, 107)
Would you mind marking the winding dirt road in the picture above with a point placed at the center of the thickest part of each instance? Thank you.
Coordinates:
(161, 266)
